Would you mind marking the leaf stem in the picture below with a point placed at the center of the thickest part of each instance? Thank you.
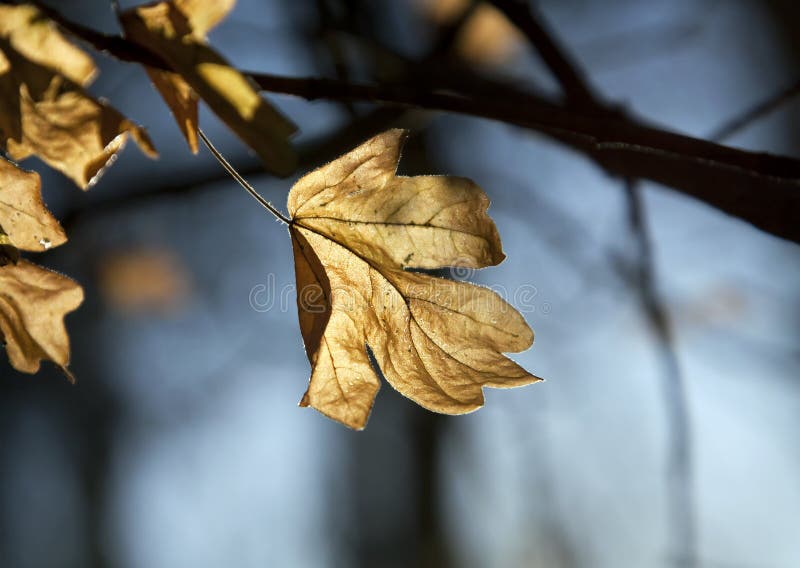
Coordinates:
(243, 182)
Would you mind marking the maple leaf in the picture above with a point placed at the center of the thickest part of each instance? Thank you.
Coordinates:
(33, 303)
(356, 227)
(44, 109)
(175, 31)
(23, 216)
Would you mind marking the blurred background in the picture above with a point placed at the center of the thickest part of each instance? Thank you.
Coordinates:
(649, 444)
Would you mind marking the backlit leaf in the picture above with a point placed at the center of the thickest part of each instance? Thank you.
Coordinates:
(33, 303)
(23, 216)
(175, 30)
(355, 227)
(44, 109)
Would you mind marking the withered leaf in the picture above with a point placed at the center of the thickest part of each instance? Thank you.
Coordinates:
(175, 30)
(33, 303)
(355, 227)
(23, 216)
(44, 109)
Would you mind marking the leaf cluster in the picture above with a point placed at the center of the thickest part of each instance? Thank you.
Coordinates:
(358, 230)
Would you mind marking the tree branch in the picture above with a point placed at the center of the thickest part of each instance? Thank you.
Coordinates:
(760, 188)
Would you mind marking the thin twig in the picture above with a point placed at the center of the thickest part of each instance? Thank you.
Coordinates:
(681, 505)
(756, 112)
(243, 182)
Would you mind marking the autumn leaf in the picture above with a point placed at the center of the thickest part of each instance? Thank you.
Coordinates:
(175, 31)
(23, 216)
(33, 300)
(36, 39)
(356, 227)
(44, 109)
(33, 303)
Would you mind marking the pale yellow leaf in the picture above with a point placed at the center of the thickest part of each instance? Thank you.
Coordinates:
(43, 107)
(417, 222)
(202, 15)
(181, 100)
(38, 40)
(23, 216)
(33, 303)
(175, 30)
(355, 226)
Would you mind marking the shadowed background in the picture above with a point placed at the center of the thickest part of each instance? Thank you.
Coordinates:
(182, 444)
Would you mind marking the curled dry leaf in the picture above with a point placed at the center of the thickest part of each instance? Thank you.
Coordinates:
(33, 303)
(175, 31)
(355, 227)
(23, 216)
(44, 109)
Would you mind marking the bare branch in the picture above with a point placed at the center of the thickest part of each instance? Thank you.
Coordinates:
(760, 188)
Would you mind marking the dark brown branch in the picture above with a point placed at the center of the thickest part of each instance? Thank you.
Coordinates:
(116, 46)
(760, 188)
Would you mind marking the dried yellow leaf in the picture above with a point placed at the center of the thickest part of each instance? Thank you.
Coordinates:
(33, 303)
(175, 30)
(181, 100)
(43, 107)
(36, 39)
(355, 227)
(202, 15)
(23, 216)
